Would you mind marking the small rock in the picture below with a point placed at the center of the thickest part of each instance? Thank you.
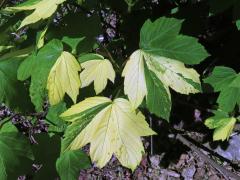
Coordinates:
(200, 173)
(155, 161)
(170, 173)
(188, 172)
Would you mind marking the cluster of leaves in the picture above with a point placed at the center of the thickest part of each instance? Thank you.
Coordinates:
(57, 61)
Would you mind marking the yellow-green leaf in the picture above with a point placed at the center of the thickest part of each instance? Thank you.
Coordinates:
(170, 72)
(3, 48)
(174, 74)
(40, 37)
(42, 10)
(64, 78)
(97, 71)
(223, 127)
(83, 106)
(116, 129)
(134, 82)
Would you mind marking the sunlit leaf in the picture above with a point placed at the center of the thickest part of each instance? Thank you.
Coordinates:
(38, 68)
(163, 51)
(40, 37)
(134, 82)
(64, 78)
(222, 124)
(98, 70)
(43, 9)
(117, 130)
(169, 72)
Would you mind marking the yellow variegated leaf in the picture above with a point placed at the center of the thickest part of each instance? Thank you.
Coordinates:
(224, 132)
(134, 82)
(83, 106)
(170, 72)
(42, 10)
(173, 73)
(41, 36)
(64, 78)
(116, 129)
(223, 127)
(97, 71)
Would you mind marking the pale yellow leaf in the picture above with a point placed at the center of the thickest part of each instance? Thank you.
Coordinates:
(85, 105)
(40, 40)
(64, 78)
(42, 10)
(116, 129)
(173, 73)
(134, 82)
(97, 71)
(223, 132)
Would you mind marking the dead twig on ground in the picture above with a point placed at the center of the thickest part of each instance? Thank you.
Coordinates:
(226, 173)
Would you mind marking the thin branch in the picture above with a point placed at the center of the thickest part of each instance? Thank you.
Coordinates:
(111, 58)
(6, 120)
(205, 158)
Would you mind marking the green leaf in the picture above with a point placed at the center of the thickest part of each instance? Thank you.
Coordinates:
(222, 124)
(72, 42)
(158, 98)
(46, 152)
(89, 56)
(238, 24)
(70, 163)
(12, 92)
(56, 123)
(39, 67)
(162, 38)
(159, 29)
(226, 81)
(26, 68)
(8, 127)
(76, 31)
(13, 147)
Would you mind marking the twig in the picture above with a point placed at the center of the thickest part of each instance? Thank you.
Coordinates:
(111, 58)
(6, 120)
(205, 158)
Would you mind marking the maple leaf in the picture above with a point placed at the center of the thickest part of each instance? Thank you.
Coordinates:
(222, 124)
(98, 70)
(113, 127)
(159, 65)
(64, 78)
(142, 68)
(226, 81)
(43, 9)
